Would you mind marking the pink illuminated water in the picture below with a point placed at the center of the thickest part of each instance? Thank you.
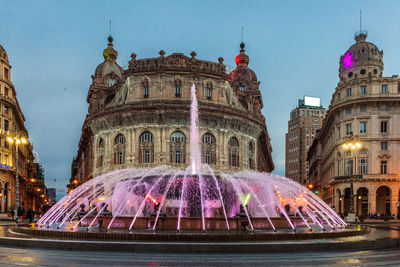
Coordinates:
(196, 191)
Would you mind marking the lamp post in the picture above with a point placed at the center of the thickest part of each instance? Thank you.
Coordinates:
(352, 144)
(16, 140)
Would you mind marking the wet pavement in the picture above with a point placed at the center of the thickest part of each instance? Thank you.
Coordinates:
(13, 256)
(40, 257)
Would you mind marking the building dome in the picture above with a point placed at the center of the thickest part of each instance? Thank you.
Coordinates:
(243, 77)
(3, 54)
(362, 59)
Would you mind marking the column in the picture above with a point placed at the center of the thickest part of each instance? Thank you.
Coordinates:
(372, 203)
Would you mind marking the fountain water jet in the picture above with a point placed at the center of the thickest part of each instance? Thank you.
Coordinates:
(183, 197)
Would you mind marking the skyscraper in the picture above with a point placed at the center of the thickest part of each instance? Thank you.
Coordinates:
(304, 122)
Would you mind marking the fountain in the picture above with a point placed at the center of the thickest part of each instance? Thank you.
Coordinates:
(164, 198)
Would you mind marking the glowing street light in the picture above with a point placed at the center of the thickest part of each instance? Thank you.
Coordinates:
(17, 140)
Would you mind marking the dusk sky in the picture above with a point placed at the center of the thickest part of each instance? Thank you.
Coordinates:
(294, 48)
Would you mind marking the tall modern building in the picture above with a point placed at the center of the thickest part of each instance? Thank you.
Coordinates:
(304, 122)
(355, 159)
(12, 129)
(139, 116)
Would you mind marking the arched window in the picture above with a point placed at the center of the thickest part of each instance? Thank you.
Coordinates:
(178, 85)
(119, 149)
(100, 153)
(208, 149)
(233, 150)
(177, 147)
(145, 84)
(119, 139)
(209, 91)
(146, 148)
(251, 155)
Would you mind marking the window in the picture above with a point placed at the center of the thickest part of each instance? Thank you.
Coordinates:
(178, 85)
(348, 111)
(100, 153)
(349, 167)
(233, 150)
(6, 125)
(363, 163)
(348, 92)
(383, 167)
(119, 149)
(6, 74)
(146, 148)
(111, 82)
(363, 90)
(208, 91)
(384, 89)
(208, 149)
(145, 85)
(384, 126)
(6, 159)
(349, 131)
(251, 156)
(177, 148)
(119, 139)
(363, 127)
(5, 91)
(241, 87)
(384, 146)
(338, 130)
(6, 109)
(177, 91)
(363, 108)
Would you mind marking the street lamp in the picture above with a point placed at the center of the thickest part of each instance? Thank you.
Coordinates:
(352, 144)
(17, 140)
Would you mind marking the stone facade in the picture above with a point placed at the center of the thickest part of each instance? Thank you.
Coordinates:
(139, 117)
(364, 109)
(12, 124)
(304, 122)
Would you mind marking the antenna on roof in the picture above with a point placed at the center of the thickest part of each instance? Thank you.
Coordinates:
(242, 34)
(110, 27)
(360, 20)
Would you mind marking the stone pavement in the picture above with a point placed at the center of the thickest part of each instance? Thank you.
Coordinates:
(39, 257)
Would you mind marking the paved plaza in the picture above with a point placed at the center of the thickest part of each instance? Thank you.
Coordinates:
(39, 257)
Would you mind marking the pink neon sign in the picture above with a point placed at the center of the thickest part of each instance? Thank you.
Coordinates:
(348, 60)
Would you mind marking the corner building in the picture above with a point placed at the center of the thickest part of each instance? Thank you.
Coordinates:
(365, 109)
(140, 116)
(12, 124)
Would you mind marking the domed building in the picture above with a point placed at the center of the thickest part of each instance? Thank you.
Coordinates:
(139, 116)
(354, 161)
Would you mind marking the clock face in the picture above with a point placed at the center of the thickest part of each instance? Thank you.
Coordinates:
(241, 87)
(111, 82)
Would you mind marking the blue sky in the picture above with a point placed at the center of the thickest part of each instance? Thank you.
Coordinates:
(294, 48)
